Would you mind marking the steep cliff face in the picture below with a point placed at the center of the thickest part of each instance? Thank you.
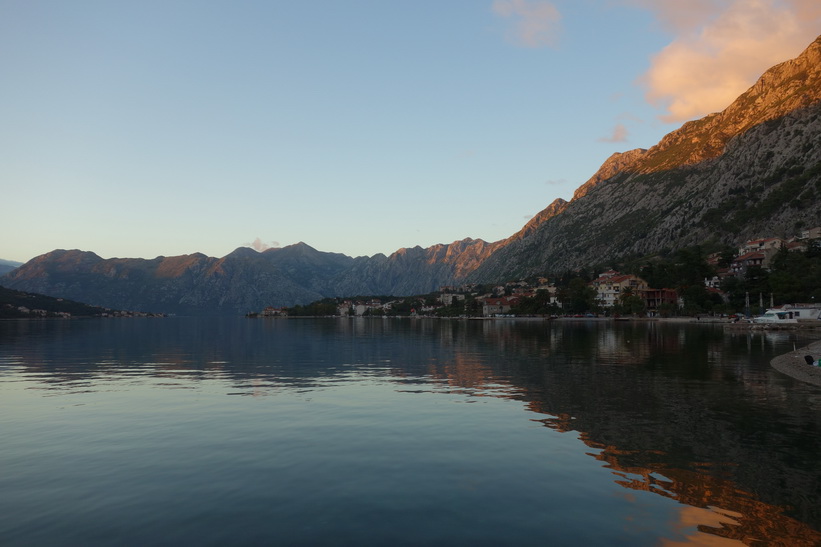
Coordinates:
(557, 207)
(784, 88)
(752, 170)
(615, 164)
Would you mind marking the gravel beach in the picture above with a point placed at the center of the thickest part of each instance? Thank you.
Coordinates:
(793, 364)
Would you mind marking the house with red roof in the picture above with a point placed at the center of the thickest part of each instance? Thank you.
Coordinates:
(611, 285)
(498, 306)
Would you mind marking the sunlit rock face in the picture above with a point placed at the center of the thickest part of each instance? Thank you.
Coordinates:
(752, 170)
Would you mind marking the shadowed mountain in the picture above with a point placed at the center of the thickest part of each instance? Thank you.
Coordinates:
(8, 265)
(242, 281)
(188, 284)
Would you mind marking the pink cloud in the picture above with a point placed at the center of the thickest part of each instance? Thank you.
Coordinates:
(537, 21)
(681, 17)
(711, 62)
(619, 134)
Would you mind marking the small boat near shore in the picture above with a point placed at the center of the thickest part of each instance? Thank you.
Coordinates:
(787, 315)
(775, 316)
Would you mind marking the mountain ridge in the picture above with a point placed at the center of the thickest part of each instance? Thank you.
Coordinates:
(641, 200)
(753, 169)
(776, 93)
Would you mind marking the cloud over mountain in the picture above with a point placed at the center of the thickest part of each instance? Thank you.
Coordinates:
(720, 48)
(619, 134)
(260, 245)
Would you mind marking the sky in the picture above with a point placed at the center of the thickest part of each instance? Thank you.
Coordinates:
(162, 128)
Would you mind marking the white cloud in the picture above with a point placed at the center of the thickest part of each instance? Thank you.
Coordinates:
(619, 134)
(260, 245)
(536, 21)
(720, 49)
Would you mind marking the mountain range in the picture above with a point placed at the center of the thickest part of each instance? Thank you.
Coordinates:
(8, 265)
(751, 170)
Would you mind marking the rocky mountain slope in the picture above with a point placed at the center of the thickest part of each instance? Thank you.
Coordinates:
(752, 170)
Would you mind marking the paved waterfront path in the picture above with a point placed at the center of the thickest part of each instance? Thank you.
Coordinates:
(793, 364)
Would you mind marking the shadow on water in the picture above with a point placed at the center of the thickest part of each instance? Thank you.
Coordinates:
(688, 412)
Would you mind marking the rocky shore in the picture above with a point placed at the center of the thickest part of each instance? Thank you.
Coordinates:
(793, 364)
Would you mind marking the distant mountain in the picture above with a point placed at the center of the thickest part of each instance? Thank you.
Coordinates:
(8, 265)
(752, 170)
(244, 280)
(188, 284)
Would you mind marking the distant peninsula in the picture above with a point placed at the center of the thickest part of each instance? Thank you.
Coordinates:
(25, 305)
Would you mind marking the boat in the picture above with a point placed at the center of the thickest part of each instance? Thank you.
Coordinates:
(788, 314)
(776, 316)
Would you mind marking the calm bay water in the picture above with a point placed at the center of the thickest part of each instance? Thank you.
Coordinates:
(403, 432)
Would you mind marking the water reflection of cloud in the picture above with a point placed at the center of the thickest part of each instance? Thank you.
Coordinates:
(693, 521)
(714, 510)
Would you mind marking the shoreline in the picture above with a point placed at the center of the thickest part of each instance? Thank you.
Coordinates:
(792, 364)
(707, 320)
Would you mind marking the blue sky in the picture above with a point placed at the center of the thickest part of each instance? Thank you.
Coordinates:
(139, 129)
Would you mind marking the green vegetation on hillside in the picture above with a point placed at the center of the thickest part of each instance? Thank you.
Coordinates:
(24, 305)
(793, 277)
(326, 306)
(757, 202)
(18, 304)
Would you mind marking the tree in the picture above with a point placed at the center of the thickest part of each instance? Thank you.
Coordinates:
(659, 274)
(697, 299)
(736, 291)
(578, 296)
(667, 310)
(726, 257)
(630, 303)
(538, 304)
(456, 309)
(404, 306)
(757, 282)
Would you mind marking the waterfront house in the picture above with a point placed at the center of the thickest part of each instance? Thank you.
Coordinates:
(498, 306)
(611, 285)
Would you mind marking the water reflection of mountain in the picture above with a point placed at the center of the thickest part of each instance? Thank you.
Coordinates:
(686, 412)
(699, 408)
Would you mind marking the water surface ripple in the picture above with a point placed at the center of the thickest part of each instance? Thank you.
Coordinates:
(403, 432)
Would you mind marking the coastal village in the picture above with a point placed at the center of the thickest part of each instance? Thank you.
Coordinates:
(612, 289)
